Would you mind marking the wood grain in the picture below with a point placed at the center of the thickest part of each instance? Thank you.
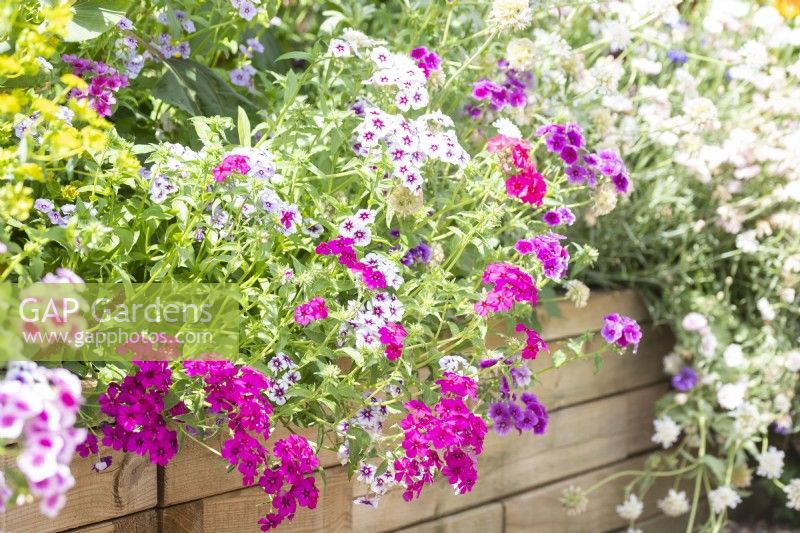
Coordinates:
(239, 511)
(127, 486)
(483, 519)
(143, 522)
(578, 381)
(541, 510)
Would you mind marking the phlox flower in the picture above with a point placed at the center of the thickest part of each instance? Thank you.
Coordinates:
(533, 342)
(621, 330)
(553, 257)
(314, 309)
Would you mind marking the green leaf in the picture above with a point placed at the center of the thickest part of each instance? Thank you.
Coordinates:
(198, 90)
(716, 465)
(559, 358)
(291, 88)
(243, 127)
(294, 55)
(94, 17)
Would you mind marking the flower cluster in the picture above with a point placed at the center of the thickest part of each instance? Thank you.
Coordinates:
(236, 394)
(621, 330)
(58, 216)
(409, 143)
(358, 227)
(568, 142)
(531, 416)
(230, 164)
(553, 256)
(512, 92)
(314, 309)
(421, 253)
(105, 81)
(558, 217)
(450, 428)
(342, 247)
(533, 342)
(135, 407)
(290, 482)
(426, 59)
(382, 312)
(392, 335)
(524, 181)
(511, 285)
(38, 410)
(286, 375)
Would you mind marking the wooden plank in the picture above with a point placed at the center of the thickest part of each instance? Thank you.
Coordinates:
(579, 382)
(144, 522)
(580, 438)
(240, 510)
(195, 472)
(574, 321)
(127, 486)
(483, 519)
(667, 524)
(541, 510)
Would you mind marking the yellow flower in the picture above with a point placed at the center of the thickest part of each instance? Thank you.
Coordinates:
(788, 8)
(30, 171)
(70, 192)
(48, 109)
(57, 18)
(93, 139)
(73, 82)
(127, 163)
(16, 201)
(10, 103)
(65, 142)
(10, 67)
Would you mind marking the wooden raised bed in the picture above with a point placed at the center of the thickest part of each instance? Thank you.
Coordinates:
(600, 423)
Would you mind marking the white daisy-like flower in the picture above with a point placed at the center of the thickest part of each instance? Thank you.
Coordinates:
(792, 490)
(674, 503)
(666, 431)
(731, 395)
(520, 53)
(723, 497)
(734, 356)
(770, 463)
(631, 508)
(511, 14)
(694, 322)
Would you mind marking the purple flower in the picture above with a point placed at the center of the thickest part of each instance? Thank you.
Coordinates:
(255, 45)
(43, 205)
(247, 10)
(548, 249)
(567, 217)
(555, 143)
(552, 218)
(569, 155)
(685, 380)
(678, 57)
(621, 183)
(472, 110)
(243, 77)
(125, 24)
(621, 330)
